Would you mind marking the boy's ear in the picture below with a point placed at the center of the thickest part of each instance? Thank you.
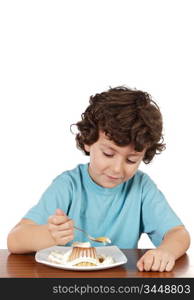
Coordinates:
(87, 148)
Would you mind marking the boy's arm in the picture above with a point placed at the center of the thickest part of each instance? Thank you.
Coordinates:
(27, 236)
(175, 243)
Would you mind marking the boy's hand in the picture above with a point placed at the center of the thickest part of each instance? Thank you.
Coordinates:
(156, 260)
(61, 227)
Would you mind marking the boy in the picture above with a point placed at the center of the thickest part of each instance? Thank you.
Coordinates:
(109, 196)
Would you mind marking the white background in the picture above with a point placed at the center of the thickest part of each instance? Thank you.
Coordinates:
(55, 54)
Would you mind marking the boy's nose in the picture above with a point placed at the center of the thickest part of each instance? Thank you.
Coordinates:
(117, 169)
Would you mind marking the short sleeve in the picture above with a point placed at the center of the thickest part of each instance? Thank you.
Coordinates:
(57, 195)
(157, 216)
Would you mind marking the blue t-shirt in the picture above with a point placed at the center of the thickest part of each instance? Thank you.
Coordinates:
(121, 213)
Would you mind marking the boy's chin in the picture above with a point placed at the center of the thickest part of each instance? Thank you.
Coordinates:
(109, 185)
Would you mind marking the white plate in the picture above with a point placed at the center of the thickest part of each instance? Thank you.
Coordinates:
(118, 256)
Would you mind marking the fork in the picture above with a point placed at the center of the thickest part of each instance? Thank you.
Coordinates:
(102, 239)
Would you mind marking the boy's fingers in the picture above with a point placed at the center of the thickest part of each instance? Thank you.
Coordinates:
(140, 265)
(65, 240)
(170, 265)
(51, 226)
(163, 265)
(57, 220)
(148, 261)
(63, 237)
(67, 225)
(156, 264)
(151, 262)
(64, 226)
(62, 234)
(60, 212)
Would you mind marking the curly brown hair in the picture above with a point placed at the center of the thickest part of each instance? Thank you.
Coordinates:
(126, 116)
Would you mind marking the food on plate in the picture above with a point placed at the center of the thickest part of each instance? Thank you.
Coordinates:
(81, 255)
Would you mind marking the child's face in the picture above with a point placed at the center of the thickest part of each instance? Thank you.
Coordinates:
(110, 164)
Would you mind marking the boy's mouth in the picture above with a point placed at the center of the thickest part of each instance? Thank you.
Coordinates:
(113, 178)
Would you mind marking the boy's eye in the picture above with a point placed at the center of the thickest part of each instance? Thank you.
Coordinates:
(111, 155)
(107, 154)
(131, 162)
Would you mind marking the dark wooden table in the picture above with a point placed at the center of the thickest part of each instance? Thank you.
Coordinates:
(16, 265)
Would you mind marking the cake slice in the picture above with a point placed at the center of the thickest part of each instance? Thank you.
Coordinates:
(83, 255)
